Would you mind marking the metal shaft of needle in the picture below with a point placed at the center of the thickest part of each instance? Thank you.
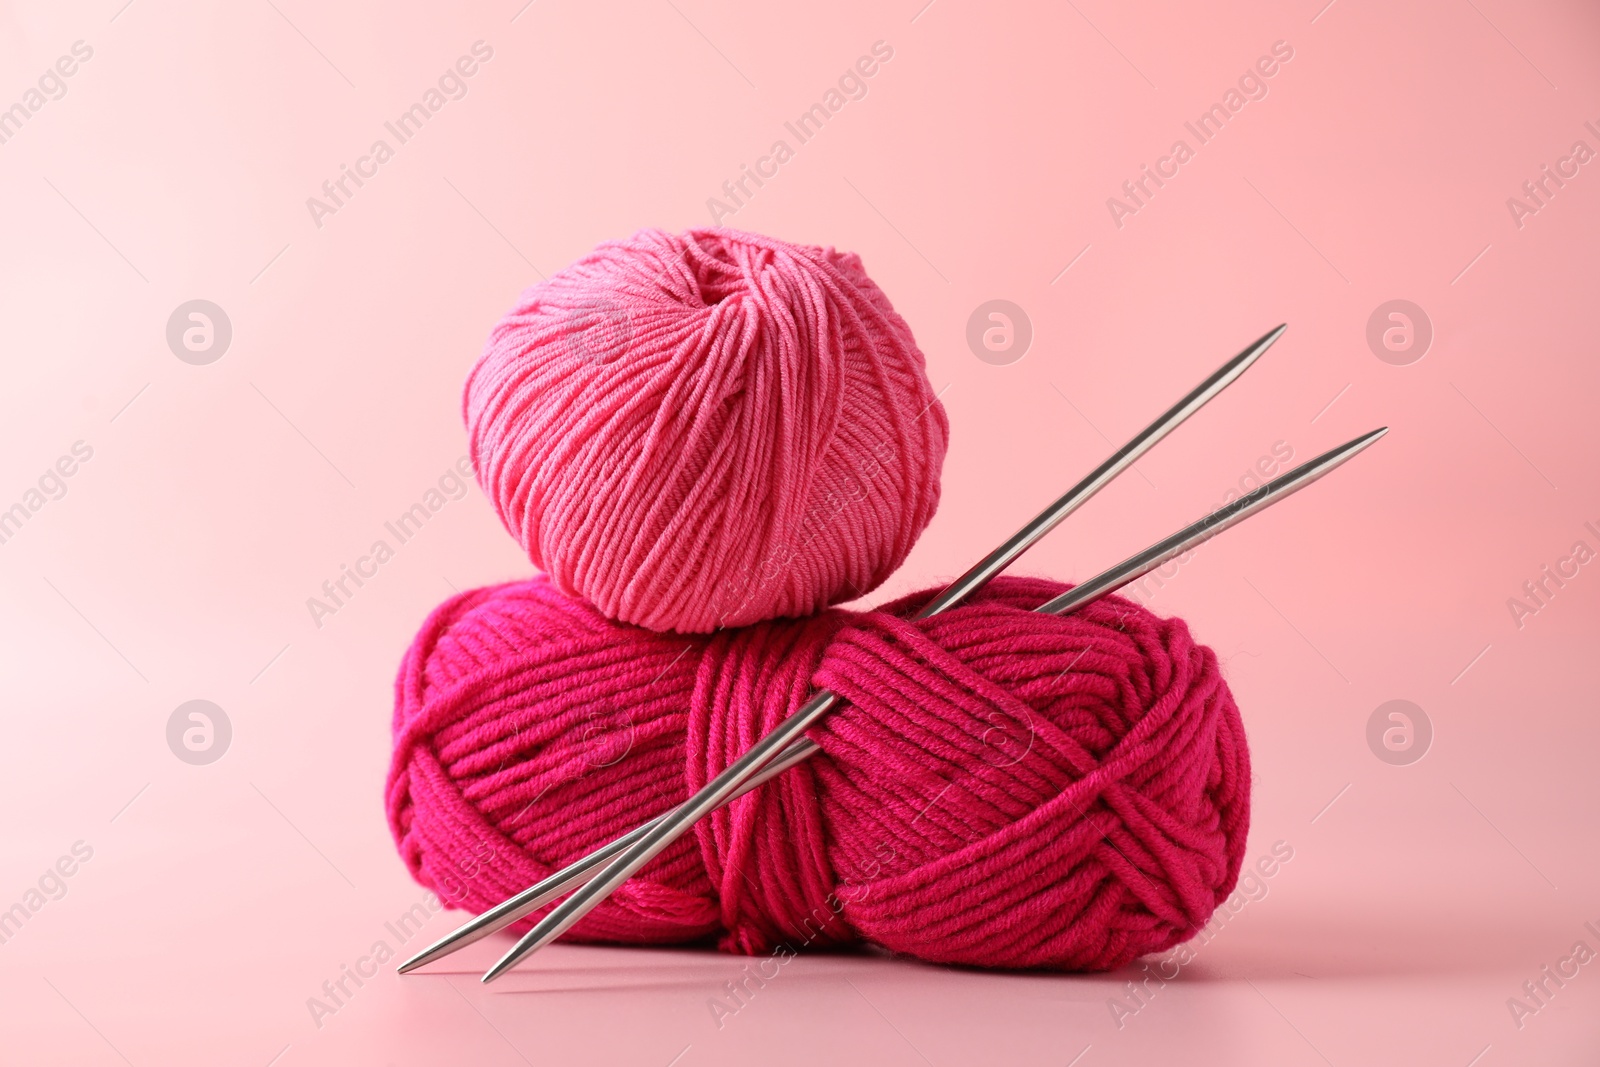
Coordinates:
(576, 873)
(1108, 581)
(720, 788)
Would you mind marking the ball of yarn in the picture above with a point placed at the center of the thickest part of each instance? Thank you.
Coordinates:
(1002, 789)
(708, 429)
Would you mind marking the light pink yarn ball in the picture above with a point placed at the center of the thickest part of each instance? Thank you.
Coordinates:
(708, 429)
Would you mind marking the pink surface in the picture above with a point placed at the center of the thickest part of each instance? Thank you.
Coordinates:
(708, 429)
(207, 502)
(1000, 788)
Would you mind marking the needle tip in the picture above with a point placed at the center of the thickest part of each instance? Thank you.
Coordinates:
(1254, 352)
(502, 965)
(524, 948)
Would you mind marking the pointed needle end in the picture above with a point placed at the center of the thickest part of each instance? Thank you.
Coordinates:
(1269, 338)
(497, 970)
(1244, 360)
(517, 954)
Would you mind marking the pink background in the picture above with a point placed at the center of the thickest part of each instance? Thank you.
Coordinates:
(218, 498)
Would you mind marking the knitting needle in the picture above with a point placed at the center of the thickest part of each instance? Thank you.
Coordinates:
(722, 787)
(575, 874)
(1129, 570)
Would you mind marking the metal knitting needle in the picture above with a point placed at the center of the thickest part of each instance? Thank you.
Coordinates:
(722, 787)
(575, 874)
(1129, 570)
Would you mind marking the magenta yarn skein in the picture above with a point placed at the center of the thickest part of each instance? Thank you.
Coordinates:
(1002, 789)
(707, 429)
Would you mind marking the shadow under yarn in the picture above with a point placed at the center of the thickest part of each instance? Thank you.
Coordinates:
(1002, 789)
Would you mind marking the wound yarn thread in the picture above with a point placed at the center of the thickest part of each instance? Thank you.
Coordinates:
(1001, 789)
(707, 429)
